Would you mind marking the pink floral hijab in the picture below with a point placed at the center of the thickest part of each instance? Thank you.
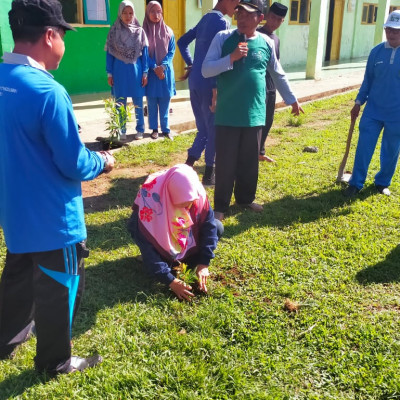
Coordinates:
(158, 34)
(172, 230)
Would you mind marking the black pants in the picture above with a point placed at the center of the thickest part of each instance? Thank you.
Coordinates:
(44, 287)
(269, 119)
(236, 165)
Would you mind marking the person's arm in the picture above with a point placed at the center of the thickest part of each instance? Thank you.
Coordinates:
(152, 63)
(60, 132)
(281, 82)
(167, 61)
(363, 93)
(109, 68)
(208, 239)
(183, 45)
(145, 64)
(154, 265)
(213, 63)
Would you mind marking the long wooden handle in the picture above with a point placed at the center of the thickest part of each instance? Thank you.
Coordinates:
(346, 153)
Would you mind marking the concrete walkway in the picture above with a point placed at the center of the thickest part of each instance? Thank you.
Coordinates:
(336, 78)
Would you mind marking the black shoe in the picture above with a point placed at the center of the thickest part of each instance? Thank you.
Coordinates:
(383, 190)
(190, 161)
(80, 364)
(208, 181)
(209, 176)
(167, 136)
(350, 191)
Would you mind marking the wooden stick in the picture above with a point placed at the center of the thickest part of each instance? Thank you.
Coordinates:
(346, 153)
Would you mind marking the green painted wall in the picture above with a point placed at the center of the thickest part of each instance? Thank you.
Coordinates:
(6, 40)
(82, 68)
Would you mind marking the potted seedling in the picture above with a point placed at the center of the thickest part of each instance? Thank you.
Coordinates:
(118, 116)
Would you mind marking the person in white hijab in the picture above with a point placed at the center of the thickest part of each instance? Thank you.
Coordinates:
(127, 62)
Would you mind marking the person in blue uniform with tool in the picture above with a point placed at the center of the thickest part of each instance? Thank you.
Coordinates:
(380, 90)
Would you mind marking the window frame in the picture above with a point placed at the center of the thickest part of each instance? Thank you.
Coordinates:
(368, 7)
(83, 21)
(297, 21)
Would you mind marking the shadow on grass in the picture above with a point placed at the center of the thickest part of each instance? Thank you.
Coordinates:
(16, 384)
(386, 271)
(121, 194)
(289, 210)
(126, 283)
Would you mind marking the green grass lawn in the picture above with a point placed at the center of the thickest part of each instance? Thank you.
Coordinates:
(339, 260)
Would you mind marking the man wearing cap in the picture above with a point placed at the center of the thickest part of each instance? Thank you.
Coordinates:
(42, 164)
(274, 19)
(239, 58)
(380, 90)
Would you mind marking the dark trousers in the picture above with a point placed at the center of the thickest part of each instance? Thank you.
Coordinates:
(236, 165)
(269, 119)
(44, 287)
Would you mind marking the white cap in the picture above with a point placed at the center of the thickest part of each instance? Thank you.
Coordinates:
(393, 20)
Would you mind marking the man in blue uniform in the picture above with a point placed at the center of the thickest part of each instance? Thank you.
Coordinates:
(380, 90)
(42, 164)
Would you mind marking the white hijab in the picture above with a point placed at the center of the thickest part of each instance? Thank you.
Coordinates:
(126, 42)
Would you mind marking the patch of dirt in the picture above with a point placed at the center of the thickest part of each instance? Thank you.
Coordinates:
(387, 307)
(291, 306)
(93, 191)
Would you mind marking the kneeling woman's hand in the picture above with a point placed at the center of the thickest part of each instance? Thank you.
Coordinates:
(202, 275)
(181, 289)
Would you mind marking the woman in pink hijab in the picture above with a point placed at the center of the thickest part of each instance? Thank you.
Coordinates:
(161, 79)
(172, 223)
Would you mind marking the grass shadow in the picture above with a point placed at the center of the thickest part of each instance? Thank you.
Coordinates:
(386, 271)
(122, 193)
(126, 283)
(289, 210)
(16, 384)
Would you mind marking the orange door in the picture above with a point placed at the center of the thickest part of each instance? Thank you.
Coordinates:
(337, 29)
(174, 17)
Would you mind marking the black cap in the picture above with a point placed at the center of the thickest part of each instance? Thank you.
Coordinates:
(252, 5)
(37, 13)
(278, 9)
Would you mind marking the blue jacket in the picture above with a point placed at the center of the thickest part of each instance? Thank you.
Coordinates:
(203, 33)
(42, 163)
(381, 84)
